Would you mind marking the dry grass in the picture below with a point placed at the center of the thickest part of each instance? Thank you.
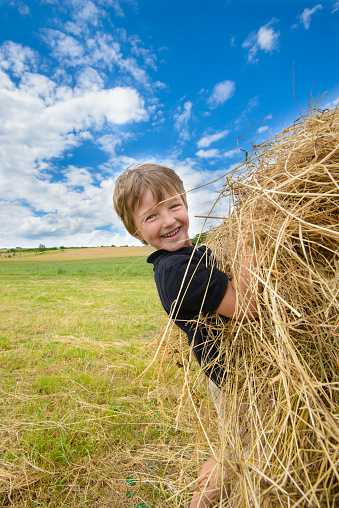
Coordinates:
(281, 427)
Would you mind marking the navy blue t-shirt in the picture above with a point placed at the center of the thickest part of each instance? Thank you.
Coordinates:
(188, 283)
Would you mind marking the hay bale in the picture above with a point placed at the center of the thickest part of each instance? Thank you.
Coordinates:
(283, 367)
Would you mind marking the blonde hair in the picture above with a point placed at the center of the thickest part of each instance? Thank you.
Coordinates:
(131, 185)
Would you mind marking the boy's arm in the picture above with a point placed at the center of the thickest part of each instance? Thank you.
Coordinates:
(240, 300)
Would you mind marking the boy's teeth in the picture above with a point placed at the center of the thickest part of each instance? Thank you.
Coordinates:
(171, 234)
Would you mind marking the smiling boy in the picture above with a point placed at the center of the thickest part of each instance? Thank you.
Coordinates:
(150, 200)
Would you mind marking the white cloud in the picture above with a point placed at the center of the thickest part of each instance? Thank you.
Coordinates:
(38, 86)
(266, 39)
(231, 153)
(84, 15)
(17, 58)
(78, 177)
(61, 210)
(118, 10)
(262, 129)
(139, 50)
(206, 141)
(89, 79)
(102, 49)
(221, 93)
(109, 142)
(64, 214)
(335, 7)
(22, 8)
(87, 12)
(305, 16)
(130, 65)
(182, 118)
(214, 153)
(117, 105)
(99, 50)
(112, 145)
(65, 47)
(242, 118)
(49, 126)
(208, 154)
(5, 82)
(331, 103)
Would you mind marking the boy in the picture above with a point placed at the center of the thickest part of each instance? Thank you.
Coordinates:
(151, 202)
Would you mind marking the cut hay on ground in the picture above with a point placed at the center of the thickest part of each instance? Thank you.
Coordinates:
(281, 426)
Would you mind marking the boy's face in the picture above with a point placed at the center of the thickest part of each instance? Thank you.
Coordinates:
(163, 225)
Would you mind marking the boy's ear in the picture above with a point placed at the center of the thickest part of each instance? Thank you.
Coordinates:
(139, 236)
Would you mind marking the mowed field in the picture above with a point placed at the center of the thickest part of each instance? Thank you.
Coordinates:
(77, 253)
(78, 426)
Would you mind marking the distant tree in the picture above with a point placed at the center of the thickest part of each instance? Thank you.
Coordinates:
(42, 247)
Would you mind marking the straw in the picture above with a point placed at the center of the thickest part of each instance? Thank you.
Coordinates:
(282, 380)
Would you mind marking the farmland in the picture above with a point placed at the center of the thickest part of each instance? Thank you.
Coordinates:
(74, 254)
(78, 427)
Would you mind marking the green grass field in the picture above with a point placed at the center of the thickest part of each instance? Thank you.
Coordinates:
(78, 428)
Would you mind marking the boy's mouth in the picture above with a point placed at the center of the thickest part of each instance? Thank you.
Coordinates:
(173, 233)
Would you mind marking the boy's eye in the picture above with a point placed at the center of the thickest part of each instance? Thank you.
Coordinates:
(174, 206)
(149, 217)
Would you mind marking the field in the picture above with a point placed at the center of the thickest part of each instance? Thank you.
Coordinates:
(76, 254)
(77, 426)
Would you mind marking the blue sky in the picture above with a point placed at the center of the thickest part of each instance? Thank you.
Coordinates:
(89, 87)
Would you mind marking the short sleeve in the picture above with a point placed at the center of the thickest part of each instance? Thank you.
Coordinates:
(195, 283)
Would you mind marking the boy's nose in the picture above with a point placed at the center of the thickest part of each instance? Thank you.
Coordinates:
(168, 220)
